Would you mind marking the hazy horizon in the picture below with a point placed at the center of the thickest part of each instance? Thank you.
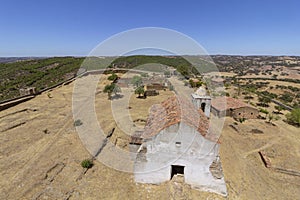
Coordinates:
(50, 56)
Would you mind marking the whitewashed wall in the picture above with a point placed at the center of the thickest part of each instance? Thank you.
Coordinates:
(195, 153)
(198, 100)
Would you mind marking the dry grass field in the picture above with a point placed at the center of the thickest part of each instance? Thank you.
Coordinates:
(40, 154)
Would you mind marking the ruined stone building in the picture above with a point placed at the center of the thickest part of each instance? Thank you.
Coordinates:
(217, 82)
(177, 140)
(27, 91)
(228, 106)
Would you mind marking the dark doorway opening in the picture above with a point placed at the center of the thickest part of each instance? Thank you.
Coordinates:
(203, 107)
(176, 169)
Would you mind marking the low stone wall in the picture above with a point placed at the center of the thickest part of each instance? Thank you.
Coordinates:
(15, 101)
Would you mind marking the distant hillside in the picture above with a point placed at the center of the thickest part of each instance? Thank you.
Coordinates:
(43, 73)
(46, 72)
(14, 59)
(39, 73)
(185, 65)
(242, 65)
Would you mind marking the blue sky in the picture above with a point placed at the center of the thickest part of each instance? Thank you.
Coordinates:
(60, 27)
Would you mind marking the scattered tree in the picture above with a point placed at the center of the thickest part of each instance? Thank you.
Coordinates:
(294, 117)
(77, 122)
(195, 83)
(264, 111)
(272, 117)
(139, 90)
(279, 109)
(137, 81)
(117, 89)
(109, 89)
(264, 101)
(167, 73)
(286, 97)
(113, 77)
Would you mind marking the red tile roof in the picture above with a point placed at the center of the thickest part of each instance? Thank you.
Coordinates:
(172, 111)
(225, 103)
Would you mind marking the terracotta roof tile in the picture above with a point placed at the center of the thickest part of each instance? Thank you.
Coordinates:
(225, 103)
(172, 111)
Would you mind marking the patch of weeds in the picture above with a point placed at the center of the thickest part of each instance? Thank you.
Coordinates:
(46, 131)
(241, 120)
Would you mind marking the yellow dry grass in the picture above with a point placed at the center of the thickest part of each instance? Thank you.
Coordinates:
(35, 165)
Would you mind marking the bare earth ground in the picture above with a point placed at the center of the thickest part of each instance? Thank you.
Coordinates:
(40, 156)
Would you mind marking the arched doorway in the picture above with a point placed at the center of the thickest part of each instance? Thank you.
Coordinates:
(203, 106)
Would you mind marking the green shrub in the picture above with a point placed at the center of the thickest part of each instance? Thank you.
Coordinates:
(112, 77)
(286, 97)
(241, 120)
(78, 122)
(87, 163)
(137, 80)
(294, 117)
(144, 75)
(249, 97)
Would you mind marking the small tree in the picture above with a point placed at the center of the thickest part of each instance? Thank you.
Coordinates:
(167, 73)
(137, 81)
(140, 90)
(286, 97)
(195, 83)
(113, 77)
(109, 90)
(272, 117)
(112, 88)
(77, 122)
(294, 117)
(264, 111)
(117, 89)
(278, 108)
(264, 101)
